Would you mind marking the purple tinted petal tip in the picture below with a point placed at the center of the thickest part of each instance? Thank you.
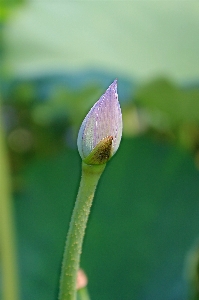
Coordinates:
(114, 85)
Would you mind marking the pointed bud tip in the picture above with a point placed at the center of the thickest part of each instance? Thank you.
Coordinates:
(113, 86)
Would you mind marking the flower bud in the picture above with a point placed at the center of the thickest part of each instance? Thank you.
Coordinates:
(101, 131)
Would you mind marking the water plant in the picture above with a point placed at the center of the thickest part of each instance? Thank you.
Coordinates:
(98, 140)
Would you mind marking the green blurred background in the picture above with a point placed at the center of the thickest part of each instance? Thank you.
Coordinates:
(56, 60)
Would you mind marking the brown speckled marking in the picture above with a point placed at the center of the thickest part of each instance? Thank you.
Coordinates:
(101, 153)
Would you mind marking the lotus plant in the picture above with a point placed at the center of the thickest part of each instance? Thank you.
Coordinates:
(98, 140)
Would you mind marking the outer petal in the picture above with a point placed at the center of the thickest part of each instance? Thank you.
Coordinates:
(103, 120)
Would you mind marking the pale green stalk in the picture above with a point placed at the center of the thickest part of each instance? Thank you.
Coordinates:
(7, 232)
(73, 248)
(82, 294)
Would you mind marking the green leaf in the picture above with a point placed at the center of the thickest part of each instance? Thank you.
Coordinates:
(172, 103)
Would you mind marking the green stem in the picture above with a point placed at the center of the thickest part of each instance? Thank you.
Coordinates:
(7, 236)
(73, 248)
(83, 294)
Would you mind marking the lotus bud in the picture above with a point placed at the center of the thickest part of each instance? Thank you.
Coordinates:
(101, 131)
